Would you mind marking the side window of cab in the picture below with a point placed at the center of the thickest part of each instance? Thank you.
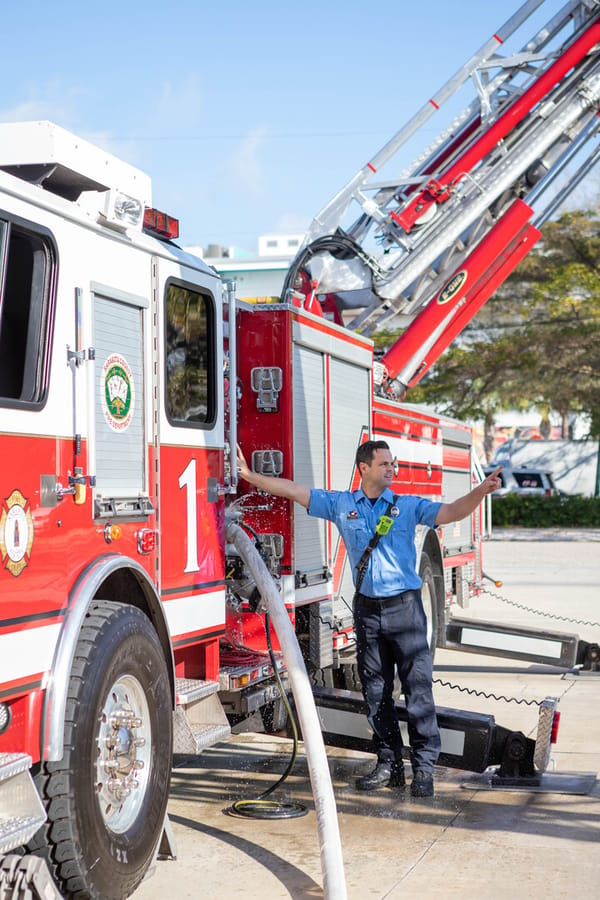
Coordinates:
(27, 286)
(190, 381)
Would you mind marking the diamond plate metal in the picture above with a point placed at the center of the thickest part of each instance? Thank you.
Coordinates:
(543, 746)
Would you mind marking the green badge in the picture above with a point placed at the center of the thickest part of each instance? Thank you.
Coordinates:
(117, 392)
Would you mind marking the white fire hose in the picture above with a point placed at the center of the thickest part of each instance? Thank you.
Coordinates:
(332, 864)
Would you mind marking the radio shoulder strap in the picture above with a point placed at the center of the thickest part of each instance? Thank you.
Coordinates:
(362, 564)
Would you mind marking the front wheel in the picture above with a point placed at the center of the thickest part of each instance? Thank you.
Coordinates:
(107, 797)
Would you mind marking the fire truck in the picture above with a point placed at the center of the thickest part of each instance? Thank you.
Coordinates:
(129, 625)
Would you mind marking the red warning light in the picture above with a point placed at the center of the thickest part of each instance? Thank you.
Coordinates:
(160, 223)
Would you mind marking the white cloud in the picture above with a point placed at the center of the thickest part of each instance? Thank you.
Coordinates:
(245, 162)
(52, 101)
(179, 104)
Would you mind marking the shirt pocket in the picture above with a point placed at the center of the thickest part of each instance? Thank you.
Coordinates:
(356, 536)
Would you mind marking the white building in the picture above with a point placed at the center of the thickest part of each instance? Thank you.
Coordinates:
(255, 276)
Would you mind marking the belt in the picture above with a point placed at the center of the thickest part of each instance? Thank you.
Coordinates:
(384, 602)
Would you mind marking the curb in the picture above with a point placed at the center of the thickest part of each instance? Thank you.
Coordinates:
(545, 534)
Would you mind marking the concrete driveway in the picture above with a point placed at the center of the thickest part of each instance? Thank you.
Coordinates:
(463, 842)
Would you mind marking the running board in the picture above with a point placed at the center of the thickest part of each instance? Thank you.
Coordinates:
(22, 812)
(199, 721)
(470, 741)
(514, 642)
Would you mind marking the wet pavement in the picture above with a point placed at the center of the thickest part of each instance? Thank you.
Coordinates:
(465, 840)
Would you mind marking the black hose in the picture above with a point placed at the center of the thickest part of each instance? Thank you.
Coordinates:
(260, 807)
(338, 244)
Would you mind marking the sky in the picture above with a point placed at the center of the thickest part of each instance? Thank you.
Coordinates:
(248, 116)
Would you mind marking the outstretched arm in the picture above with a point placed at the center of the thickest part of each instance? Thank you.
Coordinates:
(279, 487)
(464, 506)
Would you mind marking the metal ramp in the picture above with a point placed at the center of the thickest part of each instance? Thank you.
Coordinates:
(552, 648)
(472, 742)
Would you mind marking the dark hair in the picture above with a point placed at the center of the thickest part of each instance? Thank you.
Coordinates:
(366, 451)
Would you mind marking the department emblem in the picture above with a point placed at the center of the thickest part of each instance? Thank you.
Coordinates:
(117, 392)
(452, 287)
(16, 533)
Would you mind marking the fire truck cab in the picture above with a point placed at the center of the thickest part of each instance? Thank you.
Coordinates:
(111, 540)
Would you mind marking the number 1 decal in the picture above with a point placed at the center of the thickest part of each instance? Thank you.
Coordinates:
(187, 479)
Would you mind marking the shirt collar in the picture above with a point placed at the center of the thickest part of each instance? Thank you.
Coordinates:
(387, 495)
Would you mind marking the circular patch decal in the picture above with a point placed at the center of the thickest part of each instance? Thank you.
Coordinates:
(16, 533)
(117, 392)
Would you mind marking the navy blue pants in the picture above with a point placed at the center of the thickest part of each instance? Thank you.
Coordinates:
(389, 637)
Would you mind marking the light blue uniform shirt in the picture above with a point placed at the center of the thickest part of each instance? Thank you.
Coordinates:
(392, 566)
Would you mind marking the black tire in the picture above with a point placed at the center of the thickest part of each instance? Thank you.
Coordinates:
(98, 841)
(348, 677)
(430, 602)
(321, 677)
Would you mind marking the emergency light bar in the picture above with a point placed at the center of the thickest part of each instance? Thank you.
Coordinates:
(160, 223)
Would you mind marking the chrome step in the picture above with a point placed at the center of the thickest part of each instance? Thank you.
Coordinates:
(199, 720)
(21, 810)
(209, 735)
(187, 690)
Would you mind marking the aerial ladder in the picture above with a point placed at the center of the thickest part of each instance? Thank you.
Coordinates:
(423, 250)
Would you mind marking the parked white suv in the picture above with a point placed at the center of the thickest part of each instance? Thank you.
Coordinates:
(523, 481)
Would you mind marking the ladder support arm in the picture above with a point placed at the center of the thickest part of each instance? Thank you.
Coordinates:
(462, 296)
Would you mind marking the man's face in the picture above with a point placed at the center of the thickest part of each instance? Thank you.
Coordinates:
(379, 474)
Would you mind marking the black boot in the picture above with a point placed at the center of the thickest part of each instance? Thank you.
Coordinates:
(422, 784)
(385, 774)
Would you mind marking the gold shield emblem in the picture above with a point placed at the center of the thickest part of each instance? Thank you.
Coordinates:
(16, 533)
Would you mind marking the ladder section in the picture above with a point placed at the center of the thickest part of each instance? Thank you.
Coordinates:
(531, 122)
(333, 213)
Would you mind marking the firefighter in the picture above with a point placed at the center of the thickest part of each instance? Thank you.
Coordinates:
(378, 529)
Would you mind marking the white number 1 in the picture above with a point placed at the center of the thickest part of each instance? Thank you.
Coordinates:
(187, 479)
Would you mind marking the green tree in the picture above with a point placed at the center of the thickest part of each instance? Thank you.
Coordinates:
(537, 341)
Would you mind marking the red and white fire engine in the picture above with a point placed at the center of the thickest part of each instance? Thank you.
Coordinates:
(128, 372)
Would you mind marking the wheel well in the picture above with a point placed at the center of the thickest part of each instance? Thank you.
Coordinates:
(111, 578)
(125, 586)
